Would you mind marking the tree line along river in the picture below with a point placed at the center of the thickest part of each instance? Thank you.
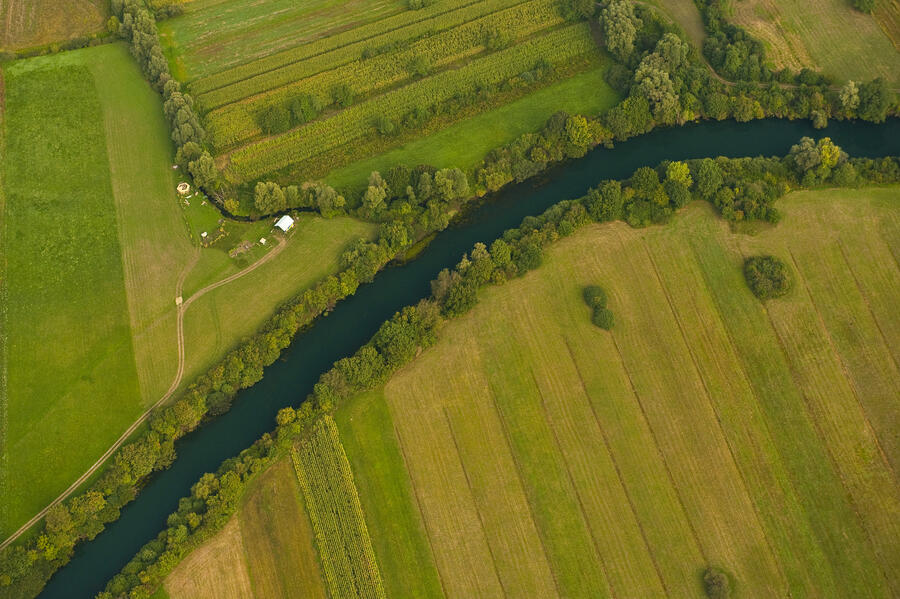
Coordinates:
(355, 319)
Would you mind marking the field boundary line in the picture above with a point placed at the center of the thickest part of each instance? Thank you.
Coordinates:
(711, 404)
(415, 493)
(851, 501)
(571, 479)
(172, 388)
(504, 426)
(615, 464)
(844, 370)
(462, 466)
(687, 517)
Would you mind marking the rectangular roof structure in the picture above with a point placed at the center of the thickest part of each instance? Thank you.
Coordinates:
(285, 223)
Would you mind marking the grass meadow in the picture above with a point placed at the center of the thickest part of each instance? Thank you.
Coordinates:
(466, 143)
(801, 34)
(27, 23)
(706, 428)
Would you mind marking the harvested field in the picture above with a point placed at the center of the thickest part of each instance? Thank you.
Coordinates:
(27, 23)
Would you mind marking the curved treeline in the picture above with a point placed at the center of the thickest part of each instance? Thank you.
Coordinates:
(671, 184)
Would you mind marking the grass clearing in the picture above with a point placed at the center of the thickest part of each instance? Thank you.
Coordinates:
(800, 34)
(27, 23)
(466, 143)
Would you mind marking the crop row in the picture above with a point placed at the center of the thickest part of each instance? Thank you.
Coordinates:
(345, 549)
(368, 75)
(334, 50)
(556, 47)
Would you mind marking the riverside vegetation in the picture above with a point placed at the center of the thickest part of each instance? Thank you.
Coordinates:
(666, 84)
(455, 293)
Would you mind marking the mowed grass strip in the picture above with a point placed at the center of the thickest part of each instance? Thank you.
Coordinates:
(839, 417)
(658, 361)
(604, 503)
(398, 533)
(800, 556)
(816, 483)
(71, 367)
(155, 248)
(278, 539)
(345, 549)
(800, 33)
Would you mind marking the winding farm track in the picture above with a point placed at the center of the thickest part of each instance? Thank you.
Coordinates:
(179, 374)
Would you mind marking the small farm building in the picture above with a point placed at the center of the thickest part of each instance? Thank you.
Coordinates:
(285, 223)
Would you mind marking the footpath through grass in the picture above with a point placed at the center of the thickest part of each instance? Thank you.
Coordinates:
(466, 143)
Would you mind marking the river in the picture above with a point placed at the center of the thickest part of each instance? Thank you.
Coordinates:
(355, 320)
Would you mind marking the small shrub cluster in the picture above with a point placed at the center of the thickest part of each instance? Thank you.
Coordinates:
(767, 276)
(716, 583)
(595, 298)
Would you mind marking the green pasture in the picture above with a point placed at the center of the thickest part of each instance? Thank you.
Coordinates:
(71, 370)
(466, 143)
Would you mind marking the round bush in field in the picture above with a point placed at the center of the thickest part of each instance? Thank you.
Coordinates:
(595, 296)
(716, 583)
(603, 318)
(767, 276)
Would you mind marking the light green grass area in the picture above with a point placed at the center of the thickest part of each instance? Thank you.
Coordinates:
(826, 35)
(466, 143)
(398, 536)
(705, 428)
(687, 16)
(70, 363)
(218, 320)
(217, 34)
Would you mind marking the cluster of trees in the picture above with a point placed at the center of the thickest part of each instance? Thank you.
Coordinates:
(595, 298)
(666, 83)
(767, 276)
(138, 28)
(270, 198)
